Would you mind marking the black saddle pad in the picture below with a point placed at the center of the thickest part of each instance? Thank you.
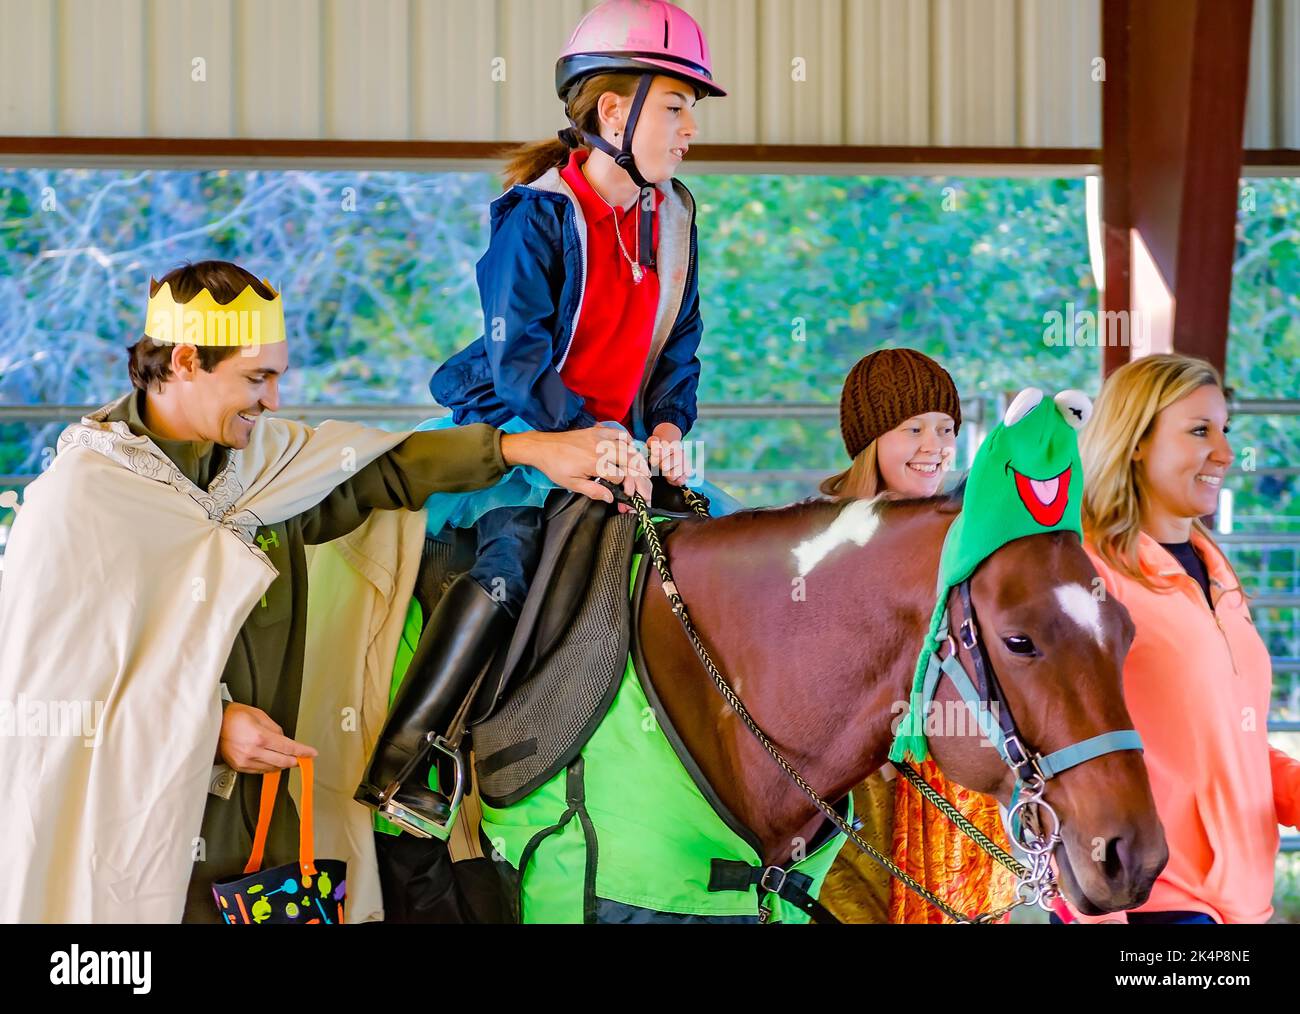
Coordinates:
(553, 704)
(570, 541)
(547, 691)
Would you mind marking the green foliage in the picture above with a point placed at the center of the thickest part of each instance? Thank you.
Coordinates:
(800, 276)
(961, 269)
(803, 275)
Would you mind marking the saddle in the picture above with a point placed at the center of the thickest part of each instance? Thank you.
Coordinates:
(585, 544)
(567, 766)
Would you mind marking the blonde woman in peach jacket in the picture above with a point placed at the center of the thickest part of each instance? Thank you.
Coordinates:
(1198, 677)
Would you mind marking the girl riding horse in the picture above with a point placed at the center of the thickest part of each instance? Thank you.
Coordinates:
(591, 313)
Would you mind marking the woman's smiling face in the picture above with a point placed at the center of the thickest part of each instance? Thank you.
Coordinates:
(914, 455)
(665, 129)
(1184, 457)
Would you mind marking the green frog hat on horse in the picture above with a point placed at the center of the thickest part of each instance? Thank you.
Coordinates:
(702, 792)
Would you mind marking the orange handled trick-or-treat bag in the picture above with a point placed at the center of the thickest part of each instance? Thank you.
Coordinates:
(308, 891)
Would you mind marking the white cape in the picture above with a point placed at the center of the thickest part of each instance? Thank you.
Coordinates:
(124, 589)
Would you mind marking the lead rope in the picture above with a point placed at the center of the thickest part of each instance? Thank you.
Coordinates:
(963, 824)
(659, 558)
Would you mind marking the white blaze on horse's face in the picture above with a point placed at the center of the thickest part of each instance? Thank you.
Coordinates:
(1078, 603)
(856, 523)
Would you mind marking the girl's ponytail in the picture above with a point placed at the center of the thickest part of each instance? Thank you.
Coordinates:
(529, 161)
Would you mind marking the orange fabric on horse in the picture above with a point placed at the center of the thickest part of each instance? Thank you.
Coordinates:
(934, 851)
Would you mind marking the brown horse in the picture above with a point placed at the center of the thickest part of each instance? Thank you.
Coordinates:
(824, 663)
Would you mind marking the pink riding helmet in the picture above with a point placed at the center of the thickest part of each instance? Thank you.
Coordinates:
(650, 36)
(645, 37)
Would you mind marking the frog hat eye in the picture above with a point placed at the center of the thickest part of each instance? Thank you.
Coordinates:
(1024, 403)
(1075, 406)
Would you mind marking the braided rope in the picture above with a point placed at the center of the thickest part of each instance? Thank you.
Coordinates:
(967, 828)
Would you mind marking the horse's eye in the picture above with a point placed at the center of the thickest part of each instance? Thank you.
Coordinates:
(1019, 645)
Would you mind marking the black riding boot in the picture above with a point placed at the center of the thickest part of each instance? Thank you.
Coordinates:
(462, 635)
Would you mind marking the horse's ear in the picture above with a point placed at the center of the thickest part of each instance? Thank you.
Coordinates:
(1023, 404)
(1075, 406)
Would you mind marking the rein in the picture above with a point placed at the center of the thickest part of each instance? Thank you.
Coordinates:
(1036, 883)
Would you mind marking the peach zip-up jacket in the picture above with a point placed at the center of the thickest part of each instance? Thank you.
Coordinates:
(1198, 685)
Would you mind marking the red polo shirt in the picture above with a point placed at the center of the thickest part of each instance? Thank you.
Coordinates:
(607, 357)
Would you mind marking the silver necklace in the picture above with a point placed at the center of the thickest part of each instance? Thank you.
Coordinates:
(638, 272)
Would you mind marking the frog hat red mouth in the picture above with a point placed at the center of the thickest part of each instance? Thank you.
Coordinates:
(1045, 499)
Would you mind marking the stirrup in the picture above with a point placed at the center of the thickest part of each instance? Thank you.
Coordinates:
(419, 824)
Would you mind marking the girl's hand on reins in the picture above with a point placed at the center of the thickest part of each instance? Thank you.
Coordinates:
(667, 453)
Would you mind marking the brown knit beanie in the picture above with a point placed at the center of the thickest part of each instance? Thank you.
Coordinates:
(889, 387)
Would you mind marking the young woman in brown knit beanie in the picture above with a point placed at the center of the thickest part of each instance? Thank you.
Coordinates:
(899, 416)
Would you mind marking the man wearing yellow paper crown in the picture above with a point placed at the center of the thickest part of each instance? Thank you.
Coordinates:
(156, 579)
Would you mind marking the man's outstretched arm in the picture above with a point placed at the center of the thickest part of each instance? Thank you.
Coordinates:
(466, 458)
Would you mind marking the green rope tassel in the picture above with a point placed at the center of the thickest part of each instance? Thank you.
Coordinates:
(910, 742)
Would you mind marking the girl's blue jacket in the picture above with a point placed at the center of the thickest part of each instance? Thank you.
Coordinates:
(531, 283)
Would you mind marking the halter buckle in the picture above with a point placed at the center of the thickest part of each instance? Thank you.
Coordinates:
(1016, 758)
(967, 634)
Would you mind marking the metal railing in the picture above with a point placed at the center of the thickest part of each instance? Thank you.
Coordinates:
(974, 413)
(411, 412)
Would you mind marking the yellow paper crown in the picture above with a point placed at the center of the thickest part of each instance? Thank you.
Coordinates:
(246, 321)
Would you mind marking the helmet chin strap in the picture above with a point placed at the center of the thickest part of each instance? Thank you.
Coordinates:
(645, 253)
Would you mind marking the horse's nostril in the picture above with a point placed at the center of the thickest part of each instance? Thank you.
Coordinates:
(1116, 859)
